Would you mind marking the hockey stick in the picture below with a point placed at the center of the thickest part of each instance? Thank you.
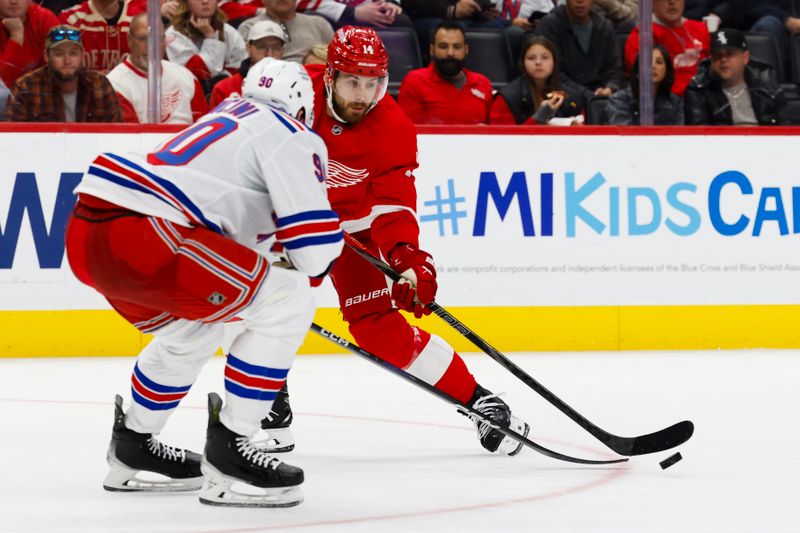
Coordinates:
(664, 439)
(357, 350)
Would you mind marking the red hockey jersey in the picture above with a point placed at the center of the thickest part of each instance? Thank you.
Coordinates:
(104, 45)
(371, 168)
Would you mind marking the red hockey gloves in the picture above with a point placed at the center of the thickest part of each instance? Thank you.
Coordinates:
(417, 267)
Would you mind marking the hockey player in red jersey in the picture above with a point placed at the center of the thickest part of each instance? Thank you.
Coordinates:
(372, 147)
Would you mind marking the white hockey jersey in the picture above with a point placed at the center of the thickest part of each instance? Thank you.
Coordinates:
(182, 98)
(245, 170)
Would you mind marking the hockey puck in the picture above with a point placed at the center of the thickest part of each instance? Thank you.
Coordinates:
(671, 460)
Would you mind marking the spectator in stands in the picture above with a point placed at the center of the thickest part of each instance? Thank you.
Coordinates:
(266, 40)
(732, 89)
(623, 14)
(370, 13)
(303, 32)
(182, 98)
(687, 41)
(200, 40)
(23, 28)
(520, 18)
(427, 14)
(63, 90)
(104, 29)
(589, 55)
(445, 92)
(773, 17)
(318, 55)
(537, 95)
(623, 106)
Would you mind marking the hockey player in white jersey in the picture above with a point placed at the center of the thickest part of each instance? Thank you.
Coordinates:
(168, 237)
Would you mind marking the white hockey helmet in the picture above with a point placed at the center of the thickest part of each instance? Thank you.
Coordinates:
(283, 85)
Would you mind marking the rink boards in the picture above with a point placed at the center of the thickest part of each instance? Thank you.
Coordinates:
(555, 239)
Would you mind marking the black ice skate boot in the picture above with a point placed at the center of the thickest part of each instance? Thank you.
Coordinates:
(277, 437)
(496, 409)
(131, 453)
(231, 458)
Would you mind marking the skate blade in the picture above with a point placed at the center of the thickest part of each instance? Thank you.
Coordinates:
(120, 478)
(279, 440)
(225, 491)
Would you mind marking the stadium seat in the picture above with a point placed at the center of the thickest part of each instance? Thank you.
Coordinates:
(764, 48)
(792, 111)
(490, 55)
(621, 39)
(596, 111)
(795, 55)
(404, 55)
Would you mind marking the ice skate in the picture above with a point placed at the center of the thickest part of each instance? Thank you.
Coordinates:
(138, 462)
(275, 435)
(496, 409)
(240, 474)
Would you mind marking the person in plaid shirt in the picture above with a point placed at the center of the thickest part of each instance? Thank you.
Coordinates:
(63, 90)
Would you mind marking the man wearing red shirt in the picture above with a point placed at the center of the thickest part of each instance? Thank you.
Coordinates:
(445, 92)
(687, 41)
(23, 30)
(372, 150)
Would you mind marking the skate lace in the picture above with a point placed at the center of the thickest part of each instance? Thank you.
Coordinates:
(491, 406)
(164, 451)
(256, 455)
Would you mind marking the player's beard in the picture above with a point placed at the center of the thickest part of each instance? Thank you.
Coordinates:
(343, 109)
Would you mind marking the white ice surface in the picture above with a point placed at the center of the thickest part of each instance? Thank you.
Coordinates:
(381, 455)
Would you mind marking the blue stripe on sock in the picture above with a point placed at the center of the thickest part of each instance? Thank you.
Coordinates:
(250, 394)
(255, 370)
(153, 406)
(152, 385)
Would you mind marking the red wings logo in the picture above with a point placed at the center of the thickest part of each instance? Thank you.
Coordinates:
(169, 102)
(340, 175)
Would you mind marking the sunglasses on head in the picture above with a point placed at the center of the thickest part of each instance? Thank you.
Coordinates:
(60, 35)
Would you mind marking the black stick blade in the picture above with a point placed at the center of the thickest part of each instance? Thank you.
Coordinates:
(662, 440)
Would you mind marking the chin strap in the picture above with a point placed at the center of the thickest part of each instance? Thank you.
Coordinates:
(329, 100)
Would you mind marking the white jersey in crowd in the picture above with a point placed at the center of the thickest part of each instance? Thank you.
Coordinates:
(215, 54)
(182, 98)
(245, 170)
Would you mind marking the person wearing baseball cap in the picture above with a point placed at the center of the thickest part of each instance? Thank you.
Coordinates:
(265, 39)
(731, 88)
(63, 90)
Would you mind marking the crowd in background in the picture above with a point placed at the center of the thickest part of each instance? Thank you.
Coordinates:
(576, 60)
